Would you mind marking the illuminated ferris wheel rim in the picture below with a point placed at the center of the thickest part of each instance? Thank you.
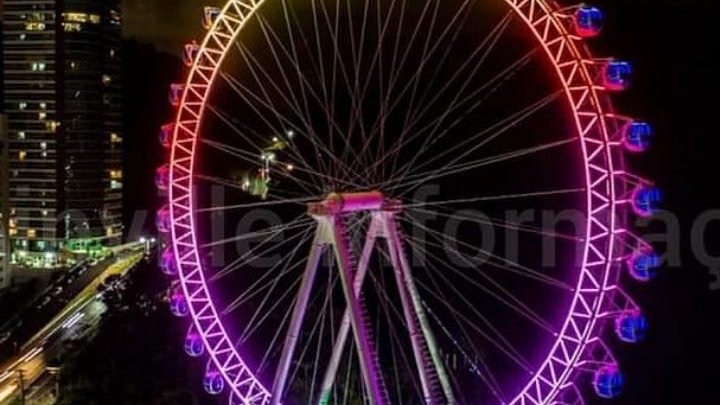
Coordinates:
(595, 296)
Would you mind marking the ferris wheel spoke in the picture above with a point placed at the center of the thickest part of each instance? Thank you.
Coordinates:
(428, 51)
(285, 168)
(300, 73)
(391, 309)
(504, 263)
(221, 181)
(272, 347)
(397, 67)
(428, 84)
(453, 167)
(504, 296)
(256, 321)
(269, 31)
(414, 181)
(317, 328)
(376, 62)
(291, 55)
(272, 274)
(488, 45)
(251, 235)
(309, 132)
(283, 122)
(338, 65)
(226, 120)
(302, 201)
(309, 188)
(495, 130)
(494, 84)
(499, 341)
(494, 337)
(494, 198)
(501, 223)
(486, 374)
(236, 263)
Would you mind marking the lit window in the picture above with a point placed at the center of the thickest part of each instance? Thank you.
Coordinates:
(22, 105)
(116, 174)
(42, 115)
(81, 17)
(22, 155)
(115, 185)
(35, 26)
(43, 106)
(31, 233)
(43, 145)
(21, 135)
(72, 27)
(115, 138)
(106, 80)
(38, 66)
(52, 126)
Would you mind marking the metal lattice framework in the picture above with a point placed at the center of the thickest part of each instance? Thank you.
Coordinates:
(577, 347)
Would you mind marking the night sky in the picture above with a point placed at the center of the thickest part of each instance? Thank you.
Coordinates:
(672, 44)
(166, 23)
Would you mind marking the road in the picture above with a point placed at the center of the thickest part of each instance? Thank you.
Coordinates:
(78, 314)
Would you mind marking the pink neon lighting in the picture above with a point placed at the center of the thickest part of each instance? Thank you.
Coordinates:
(599, 270)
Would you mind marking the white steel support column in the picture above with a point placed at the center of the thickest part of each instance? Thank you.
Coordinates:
(341, 339)
(414, 330)
(331, 233)
(408, 292)
(301, 302)
(368, 364)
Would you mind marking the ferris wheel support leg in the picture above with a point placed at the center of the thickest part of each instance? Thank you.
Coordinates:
(301, 303)
(341, 339)
(416, 318)
(366, 355)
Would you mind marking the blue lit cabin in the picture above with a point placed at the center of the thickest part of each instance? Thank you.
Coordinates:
(632, 327)
(194, 346)
(637, 136)
(608, 382)
(178, 305)
(213, 383)
(644, 266)
(589, 21)
(168, 265)
(646, 201)
(617, 75)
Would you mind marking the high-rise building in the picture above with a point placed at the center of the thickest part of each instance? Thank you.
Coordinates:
(61, 85)
(5, 270)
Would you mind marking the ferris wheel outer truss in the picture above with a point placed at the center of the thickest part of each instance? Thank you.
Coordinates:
(610, 193)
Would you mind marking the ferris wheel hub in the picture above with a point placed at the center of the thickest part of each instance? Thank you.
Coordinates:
(343, 203)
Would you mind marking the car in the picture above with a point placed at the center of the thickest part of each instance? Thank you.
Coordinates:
(44, 302)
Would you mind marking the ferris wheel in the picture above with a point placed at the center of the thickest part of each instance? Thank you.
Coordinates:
(402, 202)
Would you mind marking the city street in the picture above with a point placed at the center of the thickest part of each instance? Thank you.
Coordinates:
(39, 342)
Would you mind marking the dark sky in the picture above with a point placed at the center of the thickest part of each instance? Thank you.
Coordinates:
(166, 23)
